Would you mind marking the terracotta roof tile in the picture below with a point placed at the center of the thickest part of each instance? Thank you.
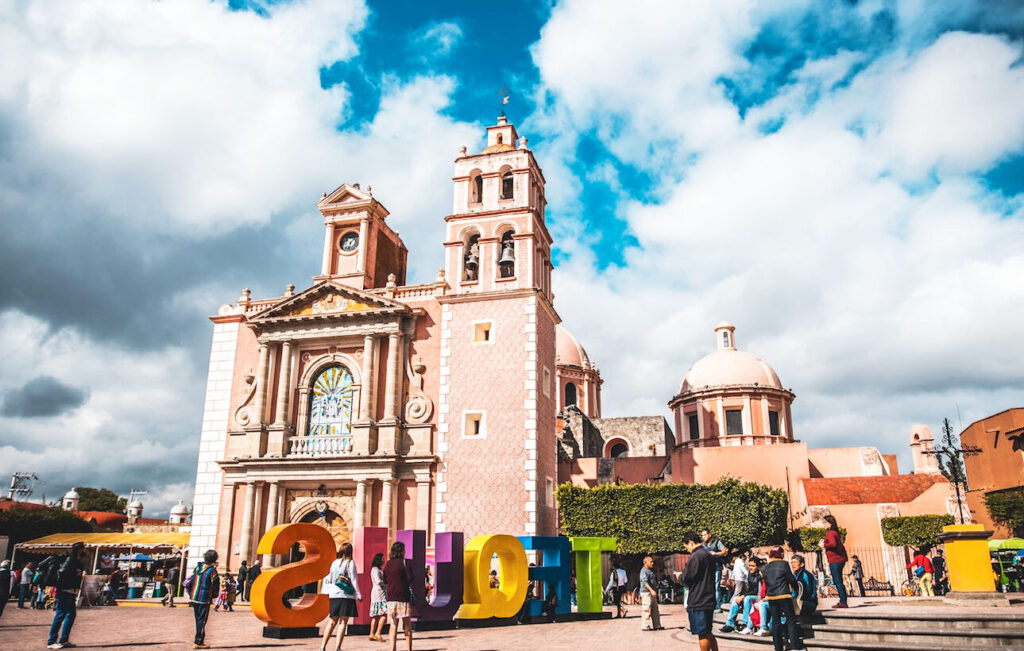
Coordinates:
(868, 490)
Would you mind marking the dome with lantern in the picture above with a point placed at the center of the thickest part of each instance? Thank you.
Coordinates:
(732, 397)
(729, 366)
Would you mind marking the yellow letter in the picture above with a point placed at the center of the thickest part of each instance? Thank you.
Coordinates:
(271, 585)
(479, 600)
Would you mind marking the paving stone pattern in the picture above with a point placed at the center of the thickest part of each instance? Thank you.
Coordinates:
(134, 627)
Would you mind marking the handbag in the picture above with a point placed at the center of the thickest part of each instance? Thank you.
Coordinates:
(344, 584)
(919, 571)
(412, 594)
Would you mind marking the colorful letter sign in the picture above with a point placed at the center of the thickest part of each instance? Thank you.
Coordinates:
(270, 586)
(448, 559)
(479, 600)
(461, 577)
(554, 572)
(589, 591)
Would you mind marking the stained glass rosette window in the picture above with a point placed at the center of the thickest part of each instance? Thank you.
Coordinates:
(330, 409)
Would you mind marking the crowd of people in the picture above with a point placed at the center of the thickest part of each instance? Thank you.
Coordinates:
(763, 596)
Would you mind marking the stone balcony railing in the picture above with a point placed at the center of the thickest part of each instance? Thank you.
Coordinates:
(319, 446)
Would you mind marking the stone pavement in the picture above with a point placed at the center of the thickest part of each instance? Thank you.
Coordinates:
(149, 627)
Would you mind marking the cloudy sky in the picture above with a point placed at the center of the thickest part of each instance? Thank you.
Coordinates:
(844, 181)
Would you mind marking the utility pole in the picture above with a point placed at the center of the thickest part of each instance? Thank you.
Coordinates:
(953, 453)
(21, 484)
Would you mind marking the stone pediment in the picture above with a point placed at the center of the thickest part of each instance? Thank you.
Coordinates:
(327, 299)
(347, 197)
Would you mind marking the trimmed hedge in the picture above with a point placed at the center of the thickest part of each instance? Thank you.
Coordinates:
(1007, 508)
(808, 539)
(647, 518)
(914, 530)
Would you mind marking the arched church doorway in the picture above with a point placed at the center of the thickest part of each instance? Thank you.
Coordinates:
(341, 531)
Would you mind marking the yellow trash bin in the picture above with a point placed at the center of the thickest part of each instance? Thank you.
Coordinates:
(970, 567)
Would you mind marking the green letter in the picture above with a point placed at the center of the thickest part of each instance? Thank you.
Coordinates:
(589, 589)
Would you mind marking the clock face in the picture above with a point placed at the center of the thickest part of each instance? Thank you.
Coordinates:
(349, 242)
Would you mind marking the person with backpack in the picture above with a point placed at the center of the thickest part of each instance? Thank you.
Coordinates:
(341, 585)
(779, 586)
(923, 572)
(64, 573)
(202, 587)
(617, 586)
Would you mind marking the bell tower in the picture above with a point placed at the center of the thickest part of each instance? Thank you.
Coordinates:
(496, 411)
(496, 237)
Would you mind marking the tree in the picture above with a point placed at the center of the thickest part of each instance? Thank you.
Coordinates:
(100, 499)
(1007, 508)
(21, 524)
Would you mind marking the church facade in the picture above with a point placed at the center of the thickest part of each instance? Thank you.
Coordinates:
(362, 400)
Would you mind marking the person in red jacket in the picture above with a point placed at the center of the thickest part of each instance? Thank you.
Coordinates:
(924, 572)
(835, 554)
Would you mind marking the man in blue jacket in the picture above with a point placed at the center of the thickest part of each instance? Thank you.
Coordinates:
(809, 584)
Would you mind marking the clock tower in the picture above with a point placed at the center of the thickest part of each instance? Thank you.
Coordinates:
(360, 249)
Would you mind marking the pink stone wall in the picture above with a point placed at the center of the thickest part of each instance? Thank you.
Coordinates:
(486, 475)
(544, 415)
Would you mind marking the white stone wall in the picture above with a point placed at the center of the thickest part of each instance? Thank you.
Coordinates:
(206, 504)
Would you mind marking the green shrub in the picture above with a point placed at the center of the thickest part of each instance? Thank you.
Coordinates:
(647, 518)
(914, 530)
(1007, 508)
(808, 539)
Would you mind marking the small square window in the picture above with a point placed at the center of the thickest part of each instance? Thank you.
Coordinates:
(549, 491)
(547, 382)
(473, 425)
(482, 332)
(733, 422)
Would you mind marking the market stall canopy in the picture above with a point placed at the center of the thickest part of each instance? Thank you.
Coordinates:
(135, 557)
(168, 541)
(1008, 543)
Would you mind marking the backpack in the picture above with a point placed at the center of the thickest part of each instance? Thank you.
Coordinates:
(49, 569)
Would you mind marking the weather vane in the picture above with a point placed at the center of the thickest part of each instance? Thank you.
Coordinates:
(505, 96)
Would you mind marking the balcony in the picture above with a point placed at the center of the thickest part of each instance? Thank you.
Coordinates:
(319, 446)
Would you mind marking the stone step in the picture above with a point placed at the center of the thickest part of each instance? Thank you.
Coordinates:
(948, 621)
(975, 639)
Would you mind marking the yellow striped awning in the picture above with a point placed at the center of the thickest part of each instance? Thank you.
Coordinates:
(110, 540)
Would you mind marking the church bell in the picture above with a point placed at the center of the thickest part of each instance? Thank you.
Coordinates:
(508, 257)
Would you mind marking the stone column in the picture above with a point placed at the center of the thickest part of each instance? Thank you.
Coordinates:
(247, 521)
(361, 253)
(423, 504)
(359, 517)
(387, 506)
(284, 384)
(273, 500)
(366, 400)
(261, 385)
(328, 246)
(391, 381)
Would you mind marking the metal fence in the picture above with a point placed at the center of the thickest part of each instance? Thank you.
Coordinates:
(885, 569)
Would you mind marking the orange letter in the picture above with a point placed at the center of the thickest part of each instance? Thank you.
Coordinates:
(270, 586)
